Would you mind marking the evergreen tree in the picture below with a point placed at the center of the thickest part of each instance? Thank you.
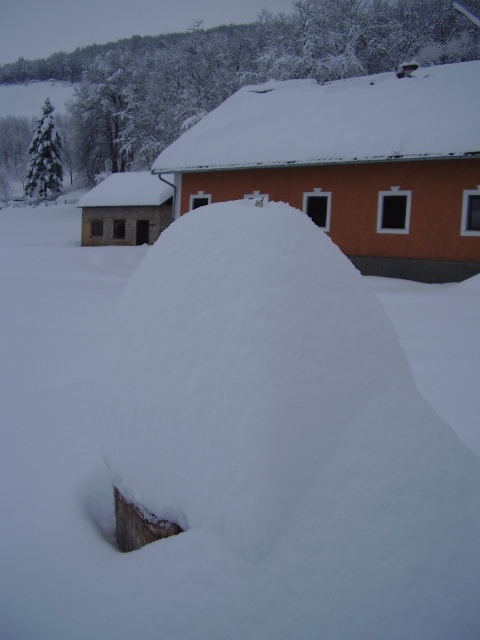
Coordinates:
(44, 171)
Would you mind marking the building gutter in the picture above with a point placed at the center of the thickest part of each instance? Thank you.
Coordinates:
(174, 192)
(320, 163)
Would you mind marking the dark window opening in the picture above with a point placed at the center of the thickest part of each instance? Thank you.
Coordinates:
(473, 217)
(394, 212)
(317, 207)
(200, 201)
(97, 228)
(119, 229)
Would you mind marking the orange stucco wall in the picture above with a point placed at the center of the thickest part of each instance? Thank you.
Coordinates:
(436, 209)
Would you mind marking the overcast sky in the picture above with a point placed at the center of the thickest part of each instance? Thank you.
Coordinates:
(37, 28)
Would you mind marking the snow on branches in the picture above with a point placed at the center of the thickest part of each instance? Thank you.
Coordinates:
(44, 171)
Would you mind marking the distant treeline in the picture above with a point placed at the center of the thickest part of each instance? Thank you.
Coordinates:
(69, 67)
(373, 32)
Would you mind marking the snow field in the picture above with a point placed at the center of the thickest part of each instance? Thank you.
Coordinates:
(380, 542)
(27, 99)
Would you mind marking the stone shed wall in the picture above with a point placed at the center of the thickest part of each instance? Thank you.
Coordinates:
(158, 219)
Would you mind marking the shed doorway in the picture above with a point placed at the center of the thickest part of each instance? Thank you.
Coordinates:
(142, 231)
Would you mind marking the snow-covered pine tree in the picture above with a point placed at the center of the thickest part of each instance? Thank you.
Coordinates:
(44, 171)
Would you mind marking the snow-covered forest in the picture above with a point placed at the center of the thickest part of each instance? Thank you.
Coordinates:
(134, 97)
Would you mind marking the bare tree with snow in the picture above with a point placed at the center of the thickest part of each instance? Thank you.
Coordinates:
(5, 186)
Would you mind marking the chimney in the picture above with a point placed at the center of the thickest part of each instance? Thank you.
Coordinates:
(406, 69)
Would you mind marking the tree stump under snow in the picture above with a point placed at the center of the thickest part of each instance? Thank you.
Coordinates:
(135, 529)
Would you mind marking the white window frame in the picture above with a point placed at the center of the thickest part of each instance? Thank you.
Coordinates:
(466, 196)
(317, 191)
(200, 194)
(256, 195)
(394, 191)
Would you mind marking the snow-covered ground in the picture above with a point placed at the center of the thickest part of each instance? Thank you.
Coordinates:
(28, 99)
(61, 576)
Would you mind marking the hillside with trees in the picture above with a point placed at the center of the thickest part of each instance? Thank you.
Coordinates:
(135, 96)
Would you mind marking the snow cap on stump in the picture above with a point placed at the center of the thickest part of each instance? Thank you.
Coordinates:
(242, 346)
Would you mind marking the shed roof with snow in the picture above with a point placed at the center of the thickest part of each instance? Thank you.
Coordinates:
(432, 114)
(138, 188)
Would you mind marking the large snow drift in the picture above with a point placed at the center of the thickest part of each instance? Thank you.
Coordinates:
(243, 345)
(258, 391)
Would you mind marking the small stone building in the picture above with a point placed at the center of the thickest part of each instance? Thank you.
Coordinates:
(126, 209)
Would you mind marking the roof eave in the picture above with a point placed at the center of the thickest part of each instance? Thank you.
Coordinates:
(319, 162)
(122, 204)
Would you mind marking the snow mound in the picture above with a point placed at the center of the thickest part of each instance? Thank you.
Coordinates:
(247, 365)
(242, 346)
(471, 284)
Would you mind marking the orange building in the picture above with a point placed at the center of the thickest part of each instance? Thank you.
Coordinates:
(388, 167)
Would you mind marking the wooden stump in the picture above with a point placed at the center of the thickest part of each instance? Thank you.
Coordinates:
(135, 529)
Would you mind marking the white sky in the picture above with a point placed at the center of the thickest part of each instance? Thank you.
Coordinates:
(37, 28)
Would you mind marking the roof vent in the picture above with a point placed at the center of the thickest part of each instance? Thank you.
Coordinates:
(406, 69)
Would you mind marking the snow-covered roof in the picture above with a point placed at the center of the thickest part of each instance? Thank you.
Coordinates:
(128, 189)
(432, 114)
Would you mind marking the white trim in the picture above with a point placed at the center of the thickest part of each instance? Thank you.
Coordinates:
(256, 195)
(199, 194)
(317, 191)
(466, 196)
(394, 191)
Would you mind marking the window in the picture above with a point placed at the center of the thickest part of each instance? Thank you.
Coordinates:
(471, 213)
(97, 228)
(394, 211)
(119, 229)
(256, 195)
(200, 199)
(317, 207)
